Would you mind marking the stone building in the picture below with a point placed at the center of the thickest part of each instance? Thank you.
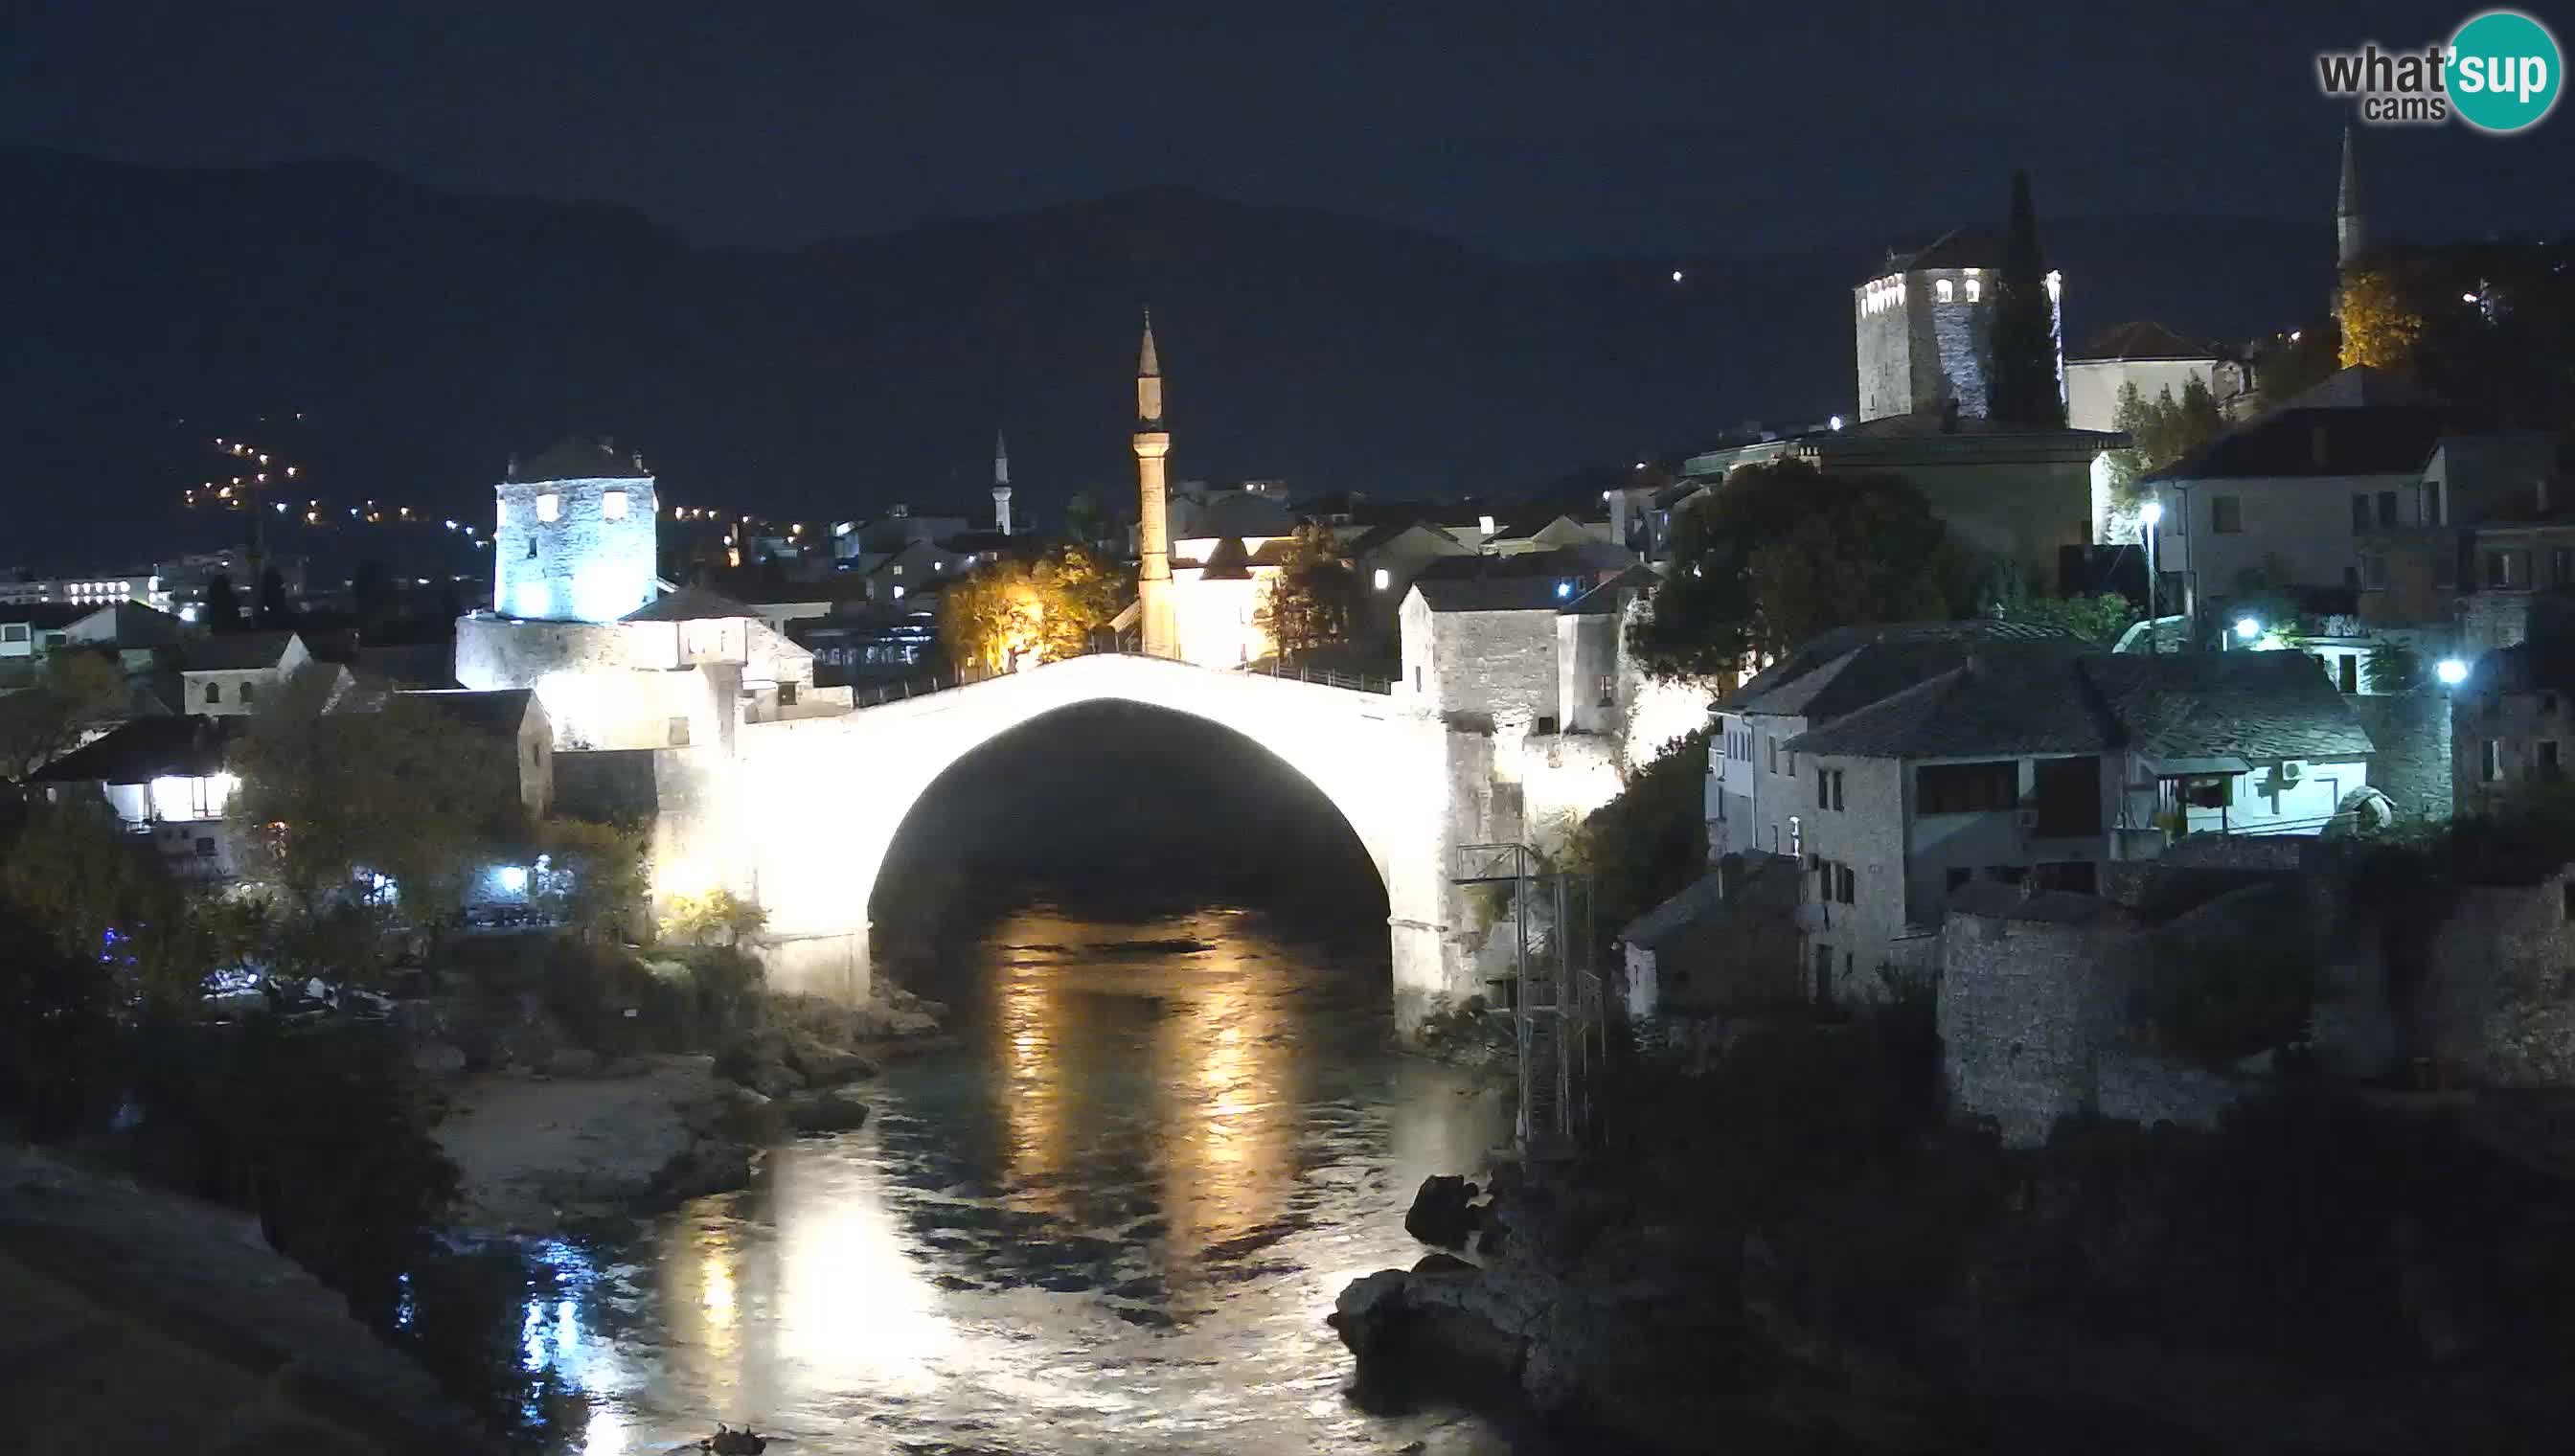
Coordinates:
(236, 671)
(1924, 326)
(2027, 764)
(576, 536)
(2145, 354)
(2512, 724)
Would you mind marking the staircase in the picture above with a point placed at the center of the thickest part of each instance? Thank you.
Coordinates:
(1554, 993)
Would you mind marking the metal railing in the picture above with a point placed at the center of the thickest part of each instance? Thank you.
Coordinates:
(1556, 992)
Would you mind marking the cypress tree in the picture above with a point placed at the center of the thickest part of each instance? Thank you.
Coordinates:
(2023, 388)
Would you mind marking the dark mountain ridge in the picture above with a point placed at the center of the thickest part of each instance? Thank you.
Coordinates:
(427, 335)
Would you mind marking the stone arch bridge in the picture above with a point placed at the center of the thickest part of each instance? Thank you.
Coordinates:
(802, 813)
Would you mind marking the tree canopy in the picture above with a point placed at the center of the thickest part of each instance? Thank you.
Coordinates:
(1781, 552)
(1313, 599)
(1012, 611)
(76, 693)
(404, 791)
(2023, 384)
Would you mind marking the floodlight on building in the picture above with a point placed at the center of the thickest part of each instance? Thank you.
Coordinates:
(1564, 590)
(2247, 629)
(2451, 672)
(1836, 422)
(514, 878)
(2151, 513)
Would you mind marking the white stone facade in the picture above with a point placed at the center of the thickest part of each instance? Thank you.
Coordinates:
(574, 549)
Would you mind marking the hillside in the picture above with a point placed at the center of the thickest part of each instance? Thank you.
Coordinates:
(426, 335)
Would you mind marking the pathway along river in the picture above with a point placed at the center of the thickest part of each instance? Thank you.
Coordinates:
(1112, 1220)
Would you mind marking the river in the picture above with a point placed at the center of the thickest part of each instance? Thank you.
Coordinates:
(1112, 1219)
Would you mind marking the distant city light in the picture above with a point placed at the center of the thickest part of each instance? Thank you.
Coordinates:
(2296, 334)
(2467, 298)
(1676, 274)
(2247, 629)
(2451, 672)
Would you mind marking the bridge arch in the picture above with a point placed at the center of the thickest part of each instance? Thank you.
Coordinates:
(814, 805)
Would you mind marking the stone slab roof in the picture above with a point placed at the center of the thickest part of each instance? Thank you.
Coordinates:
(235, 652)
(1492, 593)
(1851, 666)
(2372, 440)
(1956, 248)
(2027, 698)
(2142, 339)
(495, 711)
(689, 604)
(147, 748)
(581, 458)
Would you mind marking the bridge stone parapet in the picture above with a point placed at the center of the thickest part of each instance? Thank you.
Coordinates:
(802, 813)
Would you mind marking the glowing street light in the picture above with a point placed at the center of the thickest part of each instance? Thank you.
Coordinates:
(2152, 512)
(2451, 672)
(2247, 629)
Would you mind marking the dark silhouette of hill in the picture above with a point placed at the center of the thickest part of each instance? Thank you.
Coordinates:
(427, 335)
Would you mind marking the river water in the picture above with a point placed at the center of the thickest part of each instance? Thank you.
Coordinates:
(1112, 1220)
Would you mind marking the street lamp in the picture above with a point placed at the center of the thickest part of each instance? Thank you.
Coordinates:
(2247, 629)
(2152, 513)
(2451, 672)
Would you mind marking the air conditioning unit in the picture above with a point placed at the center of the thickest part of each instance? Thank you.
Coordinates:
(2290, 770)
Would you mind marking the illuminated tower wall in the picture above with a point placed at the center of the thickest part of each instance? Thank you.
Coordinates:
(1156, 623)
(572, 548)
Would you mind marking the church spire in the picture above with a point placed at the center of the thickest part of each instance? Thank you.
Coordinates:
(2351, 217)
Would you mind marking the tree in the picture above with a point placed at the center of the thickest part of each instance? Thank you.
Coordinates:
(1313, 599)
(2160, 432)
(273, 610)
(222, 608)
(1710, 616)
(2023, 388)
(1009, 613)
(1647, 844)
(1875, 556)
(376, 600)
(2391, 666)
(597, 881)
(404, 791)
(2381, 325)
(1083, 521)
(77, 694)
(2099, 618)
(103, 898)
(717, 916)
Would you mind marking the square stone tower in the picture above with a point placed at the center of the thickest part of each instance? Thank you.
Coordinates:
(1925, 328)
(576, 536)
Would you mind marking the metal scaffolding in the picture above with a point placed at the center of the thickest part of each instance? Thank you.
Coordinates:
(1553, 991)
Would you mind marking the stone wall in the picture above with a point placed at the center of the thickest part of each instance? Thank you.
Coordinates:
(2030, 997)
(1498, 667)
(2412, 733)
(2497, 1003)
(582, 565)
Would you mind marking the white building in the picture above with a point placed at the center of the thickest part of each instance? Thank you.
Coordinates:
(2029, 764)
(234, 673)
(2148, 355)
(166, 781)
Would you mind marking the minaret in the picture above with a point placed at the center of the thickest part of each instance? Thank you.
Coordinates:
(1001, 483)
(2351, 219)
(1160, 626)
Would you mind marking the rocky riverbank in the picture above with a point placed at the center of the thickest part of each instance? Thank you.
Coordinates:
(2334, 1280)
(575, 1137)
(140, 1320)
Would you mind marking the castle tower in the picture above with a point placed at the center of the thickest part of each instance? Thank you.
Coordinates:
(1157, 620)
(576, 536)
(1001, 483)
(2352, 218)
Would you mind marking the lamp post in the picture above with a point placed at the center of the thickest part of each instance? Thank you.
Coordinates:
(2152, 513)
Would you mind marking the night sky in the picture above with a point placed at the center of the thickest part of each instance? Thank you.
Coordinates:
(1625, 129)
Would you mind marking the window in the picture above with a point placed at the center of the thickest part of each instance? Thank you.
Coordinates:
(2431, 502)
(2208, 791)
(679, 733)
(1976, 289)
(1943, 290)
(1823, 791)
(787, 694)
(1797, 835)
(2227, 514)
(2348, 666)
(611, 505)
(1382, 578)
(2499, 568)
(898, 569)
(1845, 883)
(1823, 975)
(1953, 788)
(2359, 511)
(249, 690)
(214, 693)
(2387, 508)
(1837, 788)
(205, 847)
(2561, 566)
(2548, 758)
(1609, 690)
(549, 506)
(2490, 762)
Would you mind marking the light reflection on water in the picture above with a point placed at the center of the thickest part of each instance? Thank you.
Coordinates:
(1112, 1219)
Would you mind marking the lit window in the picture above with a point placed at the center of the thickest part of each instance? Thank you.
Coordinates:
(1976, 289)
(1943, 290)
(898, 593)
(1382, 578)
(549, 506)
(611, 505)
